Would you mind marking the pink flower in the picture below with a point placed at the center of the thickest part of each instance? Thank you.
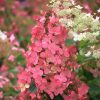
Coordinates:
(48, 60)
(60, 78)
(87, 7)
(1, 95)
(98, 1)
(11, 58)
(73, 96)
(66, 52)
(45, 44)
(3, 81)
(12, 38)
(24, 78)
(33, 96)
(82, 91)
(37, 72)
(52, 47)
(4, 68)
(37, 32)
(32, 58)
(1, 2)
(37, 47)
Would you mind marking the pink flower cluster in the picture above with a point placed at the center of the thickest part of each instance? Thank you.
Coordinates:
(50, 63)
(3, 79)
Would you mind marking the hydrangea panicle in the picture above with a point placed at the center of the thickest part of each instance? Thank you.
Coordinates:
(48, 61)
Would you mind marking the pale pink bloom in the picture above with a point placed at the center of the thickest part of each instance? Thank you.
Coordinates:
(14, 48)
(12, 38)
(1, 95)
(4, 68)
(11, 58)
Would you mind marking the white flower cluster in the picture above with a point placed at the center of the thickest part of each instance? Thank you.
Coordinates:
(88, 54)
(3, 36)
(98, 10)
(82, 26)
(96, 54)
(86, 36)
(72, 17)
(93, 53)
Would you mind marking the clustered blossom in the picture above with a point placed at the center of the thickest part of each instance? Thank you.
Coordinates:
(50, 64)
(82, 26)
(96, 53)
(3, 81)
(9, 67)
(72, 16)
(9, 45)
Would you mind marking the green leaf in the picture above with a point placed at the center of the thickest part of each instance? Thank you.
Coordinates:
(0, 89)
(87, 74)
(21, 60)
(84, 74)
(69, 42)
(32, 87)
(58, 97)
(83, 44)
(1, 13)
(94, 92)
(12, 92)
(80, 58)
(91, 1)
(8, 21)
(95, 81)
